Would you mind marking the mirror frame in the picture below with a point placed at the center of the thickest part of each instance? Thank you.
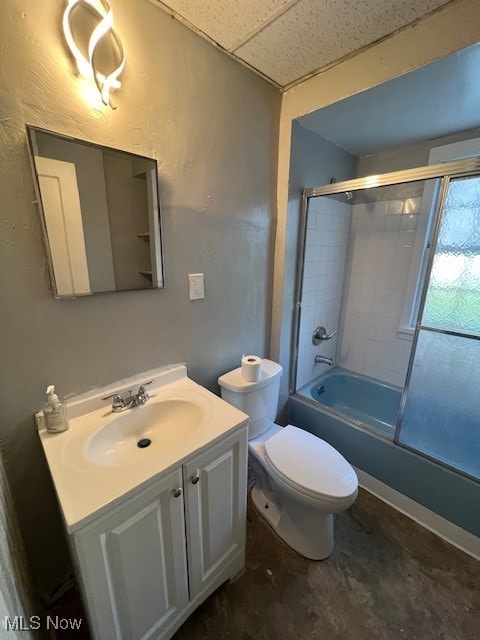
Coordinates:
(160, 272)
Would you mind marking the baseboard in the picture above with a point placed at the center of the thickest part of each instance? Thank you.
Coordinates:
(451, 533)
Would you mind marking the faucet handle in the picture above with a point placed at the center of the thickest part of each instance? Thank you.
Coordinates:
(142, 395)
(141, 388)
(118, 402)
(321, 334)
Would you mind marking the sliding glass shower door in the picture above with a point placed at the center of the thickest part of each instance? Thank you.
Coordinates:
(440, 411)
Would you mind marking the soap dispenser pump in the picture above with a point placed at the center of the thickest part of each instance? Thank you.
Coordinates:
(54, 412)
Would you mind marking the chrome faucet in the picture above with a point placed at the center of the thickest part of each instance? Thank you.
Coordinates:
(324, 360)
(320, 334)
(132, 400)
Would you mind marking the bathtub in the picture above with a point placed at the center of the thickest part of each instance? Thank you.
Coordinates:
(373, 403)
(357, 415)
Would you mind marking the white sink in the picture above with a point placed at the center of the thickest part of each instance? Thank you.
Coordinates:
(97, 463)
(146, 430)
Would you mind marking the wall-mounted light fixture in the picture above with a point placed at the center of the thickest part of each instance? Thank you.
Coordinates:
(86, 64)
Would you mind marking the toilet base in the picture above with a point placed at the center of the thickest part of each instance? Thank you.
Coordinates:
(265, 507)
(308, 532)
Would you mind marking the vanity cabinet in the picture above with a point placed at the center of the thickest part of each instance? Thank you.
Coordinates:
(215, 496)
(132, 560)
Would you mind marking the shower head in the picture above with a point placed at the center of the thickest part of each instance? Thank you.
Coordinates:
(348, 194)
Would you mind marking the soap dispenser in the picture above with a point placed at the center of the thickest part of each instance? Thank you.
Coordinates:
(54, 412)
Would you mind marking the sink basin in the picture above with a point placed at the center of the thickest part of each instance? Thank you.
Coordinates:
(136, 433)
(99, 461)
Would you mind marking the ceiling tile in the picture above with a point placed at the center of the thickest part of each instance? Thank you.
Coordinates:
(312, 34)
(226, 21)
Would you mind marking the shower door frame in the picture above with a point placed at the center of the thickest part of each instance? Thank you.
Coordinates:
(444, 171)
(439, 213)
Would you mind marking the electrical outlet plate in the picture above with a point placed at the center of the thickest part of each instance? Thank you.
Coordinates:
(196, 288)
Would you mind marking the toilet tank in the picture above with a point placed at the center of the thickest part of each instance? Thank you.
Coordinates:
(257, 399)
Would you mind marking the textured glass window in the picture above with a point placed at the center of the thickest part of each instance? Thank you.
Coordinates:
(441, 415)
(442, 412)
(453, 299)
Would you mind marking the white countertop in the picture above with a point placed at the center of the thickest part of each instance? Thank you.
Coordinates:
(86, 490)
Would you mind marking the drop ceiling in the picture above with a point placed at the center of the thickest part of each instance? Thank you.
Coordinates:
(288, 40)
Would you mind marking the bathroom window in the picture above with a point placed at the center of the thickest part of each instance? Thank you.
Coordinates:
(453, 294)
(438, 301)
(439, 416)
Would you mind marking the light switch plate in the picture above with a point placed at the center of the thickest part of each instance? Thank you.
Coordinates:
(196, 287)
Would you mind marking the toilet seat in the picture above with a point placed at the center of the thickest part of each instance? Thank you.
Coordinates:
(310, 465)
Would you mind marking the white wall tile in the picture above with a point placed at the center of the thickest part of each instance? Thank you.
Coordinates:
(406, 238)
(398, 283)
(357, 365)
(356, 268)
(409, 221)
(395, 304)
(381, 238)
(404, 253)
(327, 241)
(394, 207)
(412, 205)
(392, 223)
(369, 370)
(400, 267)
(372, 352)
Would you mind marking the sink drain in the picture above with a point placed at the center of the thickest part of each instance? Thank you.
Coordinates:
(143, 443)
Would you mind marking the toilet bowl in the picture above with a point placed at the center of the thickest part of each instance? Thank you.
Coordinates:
(301, 480)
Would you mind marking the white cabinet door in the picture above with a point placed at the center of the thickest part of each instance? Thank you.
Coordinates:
(133, 565)
(215, 505)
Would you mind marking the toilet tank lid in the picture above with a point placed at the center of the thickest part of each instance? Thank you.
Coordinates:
(233, 380)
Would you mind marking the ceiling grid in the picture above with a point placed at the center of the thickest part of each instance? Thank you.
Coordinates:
(288, 40)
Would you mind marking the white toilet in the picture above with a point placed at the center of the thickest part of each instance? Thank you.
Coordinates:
(301, 481)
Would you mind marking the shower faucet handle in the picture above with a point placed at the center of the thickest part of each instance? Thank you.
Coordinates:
(320, 334)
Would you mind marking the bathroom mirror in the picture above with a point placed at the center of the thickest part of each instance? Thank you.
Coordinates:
(100, 215)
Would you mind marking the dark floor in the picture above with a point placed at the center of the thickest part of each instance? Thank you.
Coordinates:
(387, 578)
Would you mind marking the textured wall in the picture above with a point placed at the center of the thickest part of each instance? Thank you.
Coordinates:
(213, 126)
(12, 594)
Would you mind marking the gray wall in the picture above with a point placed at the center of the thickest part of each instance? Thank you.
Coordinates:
(13, 595)
(212, 125)
(313, 161)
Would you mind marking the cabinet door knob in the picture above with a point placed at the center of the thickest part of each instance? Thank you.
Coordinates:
(177, 492)
(195, 478)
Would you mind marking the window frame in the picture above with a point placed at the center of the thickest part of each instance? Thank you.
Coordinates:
(416, 275)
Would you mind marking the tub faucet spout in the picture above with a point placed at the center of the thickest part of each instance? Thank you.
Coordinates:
(324, 360)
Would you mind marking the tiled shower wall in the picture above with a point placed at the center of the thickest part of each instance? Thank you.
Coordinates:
(326, 247)
(380, 249)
